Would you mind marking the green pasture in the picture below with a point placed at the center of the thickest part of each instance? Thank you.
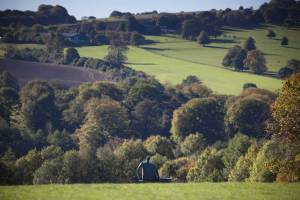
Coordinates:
(174, 70)
(184, 191)
(213, 54)
(171, 59)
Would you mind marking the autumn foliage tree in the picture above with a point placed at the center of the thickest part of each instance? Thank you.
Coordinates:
(256, 62)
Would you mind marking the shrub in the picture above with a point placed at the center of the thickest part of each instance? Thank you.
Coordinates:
(241, 170)
(158, 160)
(236, 148)
(160, 145)
(249, 85)
(70, 55)
(193, 143)
(177, 169)
(209, 167)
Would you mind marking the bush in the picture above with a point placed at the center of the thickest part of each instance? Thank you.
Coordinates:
(107, 164)
(158, 160)
(159, 145)
(129, 154)
(236, 148)
(209, 167)
(70, 55)
(177, 169)
(192, 144)
(49, 172)
(241, 170)
(249, 85)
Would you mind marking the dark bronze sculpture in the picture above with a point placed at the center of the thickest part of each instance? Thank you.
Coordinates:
(149, 173)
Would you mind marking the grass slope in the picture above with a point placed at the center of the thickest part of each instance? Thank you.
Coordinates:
(276, 55)
(174, 69)
(185, 191)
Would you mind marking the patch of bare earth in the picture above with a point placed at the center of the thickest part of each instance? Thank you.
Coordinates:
(70, 76)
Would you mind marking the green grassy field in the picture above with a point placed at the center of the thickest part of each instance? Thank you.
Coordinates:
(201, 191)
(174, 69)
(171, 59)
(276, 55)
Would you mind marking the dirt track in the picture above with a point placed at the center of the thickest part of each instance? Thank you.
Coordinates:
(68, 75)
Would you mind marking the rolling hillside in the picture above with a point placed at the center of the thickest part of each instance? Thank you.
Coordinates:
(171, 59)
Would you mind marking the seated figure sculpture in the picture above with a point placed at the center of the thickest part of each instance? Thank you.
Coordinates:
(149, 171)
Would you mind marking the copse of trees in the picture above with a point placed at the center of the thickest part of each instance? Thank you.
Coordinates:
(280, 12)
(106, 129)
(46, 14)
(292, 67)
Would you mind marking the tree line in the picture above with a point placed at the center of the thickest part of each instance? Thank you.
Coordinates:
(45, 15)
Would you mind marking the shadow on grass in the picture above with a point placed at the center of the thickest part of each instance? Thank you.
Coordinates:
(271, 54)
(293, 48)
(155, 49)
(216, 47)
(227, 41)
(133, 63)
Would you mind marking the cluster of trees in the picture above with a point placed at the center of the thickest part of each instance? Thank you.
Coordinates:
(283, 12)
(292, 67)
(89, 36)
(46, 14)
(112, 65)
(246, 58)
(284, 41)
(100, 131)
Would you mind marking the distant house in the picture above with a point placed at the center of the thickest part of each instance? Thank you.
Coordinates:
(76, 39)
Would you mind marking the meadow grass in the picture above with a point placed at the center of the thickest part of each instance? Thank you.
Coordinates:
(171, 59)
(174, 70)
(184, 191)
(213, 54)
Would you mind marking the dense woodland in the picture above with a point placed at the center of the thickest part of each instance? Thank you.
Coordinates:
(100, 131)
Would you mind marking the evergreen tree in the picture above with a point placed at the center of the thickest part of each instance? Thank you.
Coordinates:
(250, 44)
